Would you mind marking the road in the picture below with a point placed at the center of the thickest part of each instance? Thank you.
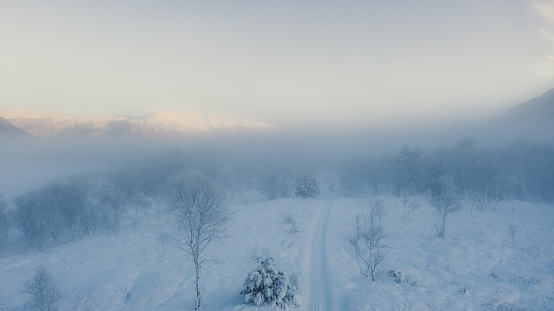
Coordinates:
(319, 288)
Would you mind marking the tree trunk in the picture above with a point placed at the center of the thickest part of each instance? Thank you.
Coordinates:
(197, 266)
(373, 274)
(442, 232)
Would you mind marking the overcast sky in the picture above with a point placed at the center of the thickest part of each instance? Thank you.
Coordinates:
(340, 64)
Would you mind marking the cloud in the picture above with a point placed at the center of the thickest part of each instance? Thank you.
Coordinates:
(546, 34)
(502, 27)
(545, 69)
(544, 9)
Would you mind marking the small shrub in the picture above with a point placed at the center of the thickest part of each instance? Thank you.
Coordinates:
(270, 286)
(396, 276)
(465, 291)
(289, 219)
(512, 229)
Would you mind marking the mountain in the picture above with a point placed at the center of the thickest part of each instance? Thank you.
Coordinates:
(532, 119)
(7, 128)
(161, 123)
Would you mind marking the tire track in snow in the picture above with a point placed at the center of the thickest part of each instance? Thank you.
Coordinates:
(320, 294)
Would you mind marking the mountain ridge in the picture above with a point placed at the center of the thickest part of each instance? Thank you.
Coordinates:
(533, 118)
(159, 123)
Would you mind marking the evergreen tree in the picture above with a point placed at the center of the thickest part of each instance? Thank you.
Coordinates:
(306, 186)
(268, 285)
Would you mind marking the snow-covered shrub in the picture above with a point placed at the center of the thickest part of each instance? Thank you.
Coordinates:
(466, 291)
(396, 275)
(289, 219)
(267, 285)
(306, 186)
(42, 291)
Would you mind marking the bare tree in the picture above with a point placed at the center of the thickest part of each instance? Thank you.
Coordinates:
(4, 222)
(42, 290)
(201, 215)
(50, 199)
(512, 229)
(409, 207)
(2, 303)
(465, 147)
(445, 203)
(72, 204)
(367, 241)
(275, 184)
(112, 205)
(28, 217)
(138, 199)
(407, 169)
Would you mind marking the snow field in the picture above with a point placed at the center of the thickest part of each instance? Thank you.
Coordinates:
(130, 270)
(476, 267)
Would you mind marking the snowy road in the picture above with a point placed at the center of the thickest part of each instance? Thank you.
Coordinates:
(320, 294)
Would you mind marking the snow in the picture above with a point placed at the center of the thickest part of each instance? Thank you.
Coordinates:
(161, 122)
(476, 267)
(477, 255)
(320, 295)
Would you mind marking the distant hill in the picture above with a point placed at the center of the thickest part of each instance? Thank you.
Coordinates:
(533, 118)
(161, 123)
(7, 128)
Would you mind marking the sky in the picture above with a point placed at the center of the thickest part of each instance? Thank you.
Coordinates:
(294, 64)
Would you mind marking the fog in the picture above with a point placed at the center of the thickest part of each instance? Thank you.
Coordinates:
(30, 162)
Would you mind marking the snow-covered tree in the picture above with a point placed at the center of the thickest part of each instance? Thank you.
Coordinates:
(367, 240)
(306, 186)
(42, 291)
(268, 285)
(201, 216)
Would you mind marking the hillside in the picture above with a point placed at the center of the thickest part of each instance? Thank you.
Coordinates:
(533, 118)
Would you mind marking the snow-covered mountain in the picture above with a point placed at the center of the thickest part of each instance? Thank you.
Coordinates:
(161, 123)
(7, 128)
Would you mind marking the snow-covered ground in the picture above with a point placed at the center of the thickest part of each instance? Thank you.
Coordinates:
(476, 267)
